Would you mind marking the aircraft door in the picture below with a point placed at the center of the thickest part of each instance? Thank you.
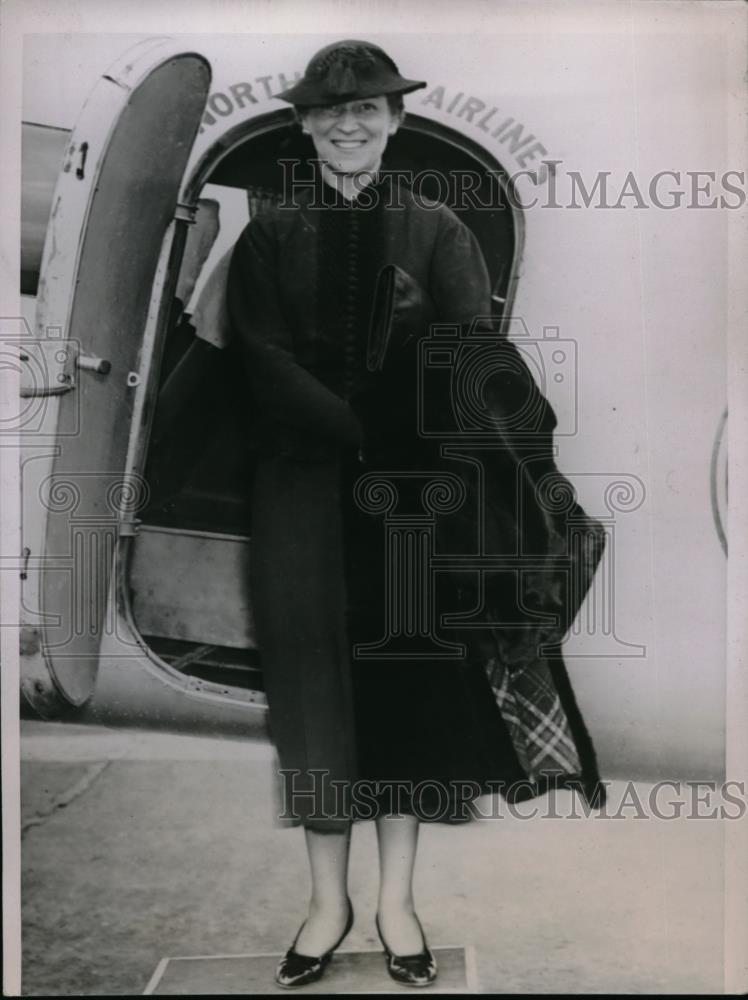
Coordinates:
(112, 234)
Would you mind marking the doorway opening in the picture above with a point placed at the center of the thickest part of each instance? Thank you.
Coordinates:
(188, 579)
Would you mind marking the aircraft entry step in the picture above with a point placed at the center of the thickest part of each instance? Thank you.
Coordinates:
(349, 972)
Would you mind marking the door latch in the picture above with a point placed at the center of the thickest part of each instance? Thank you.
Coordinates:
(45, 368)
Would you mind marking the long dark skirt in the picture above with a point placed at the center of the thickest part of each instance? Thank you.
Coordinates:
(357, 737)
(429, 735)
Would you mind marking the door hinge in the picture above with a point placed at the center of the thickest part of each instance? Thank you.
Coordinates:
(128, 525)
(186, 213)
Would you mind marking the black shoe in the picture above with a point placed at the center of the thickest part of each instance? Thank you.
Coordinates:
(410, 970)
(300, 970)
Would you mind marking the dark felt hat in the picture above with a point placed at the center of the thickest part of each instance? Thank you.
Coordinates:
(347, 71)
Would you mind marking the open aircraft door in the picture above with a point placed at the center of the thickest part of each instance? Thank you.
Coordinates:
(112, 253)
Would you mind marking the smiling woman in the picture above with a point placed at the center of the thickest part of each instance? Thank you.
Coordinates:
(416, 730)
(351, 138)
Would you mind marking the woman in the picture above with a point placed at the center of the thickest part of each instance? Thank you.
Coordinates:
(337, 392)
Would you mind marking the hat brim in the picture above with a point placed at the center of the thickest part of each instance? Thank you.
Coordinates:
(312, 95)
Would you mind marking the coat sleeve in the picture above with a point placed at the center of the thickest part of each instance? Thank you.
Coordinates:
(460, 286)
(285, 391)
(458, 278)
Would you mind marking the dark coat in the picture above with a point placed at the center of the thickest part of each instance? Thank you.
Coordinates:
(300, 294)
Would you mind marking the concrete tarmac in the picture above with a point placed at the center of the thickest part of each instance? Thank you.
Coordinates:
(139, 846)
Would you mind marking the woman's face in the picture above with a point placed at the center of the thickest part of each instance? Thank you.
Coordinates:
(351, 137)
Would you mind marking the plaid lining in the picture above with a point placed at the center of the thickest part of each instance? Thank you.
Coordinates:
(521, 681)
(537, 723)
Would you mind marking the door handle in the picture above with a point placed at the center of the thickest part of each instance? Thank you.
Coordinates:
(91, 364)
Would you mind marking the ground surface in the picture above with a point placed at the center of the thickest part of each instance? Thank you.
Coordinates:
(141, 846)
